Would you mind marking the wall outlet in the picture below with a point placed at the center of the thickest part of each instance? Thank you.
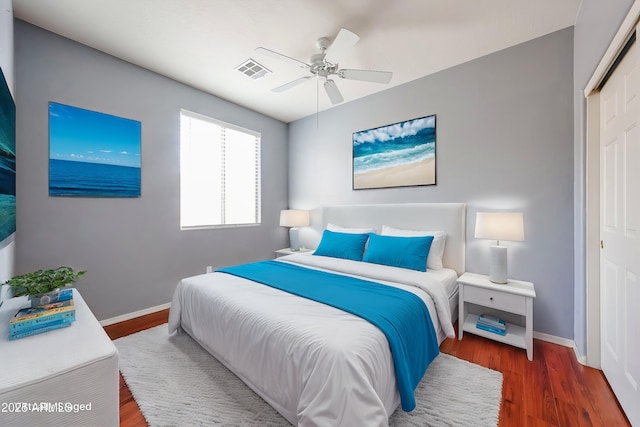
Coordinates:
(209, 269)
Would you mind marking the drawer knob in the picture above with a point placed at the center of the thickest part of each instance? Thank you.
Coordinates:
(490, 298)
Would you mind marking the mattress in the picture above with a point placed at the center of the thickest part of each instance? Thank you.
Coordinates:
(315, 364)
(448, 278)
(60, 371)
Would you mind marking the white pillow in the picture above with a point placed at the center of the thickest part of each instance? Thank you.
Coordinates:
(351, 230)
(434, 260)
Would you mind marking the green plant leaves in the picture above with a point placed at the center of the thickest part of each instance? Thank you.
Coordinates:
(43, 281)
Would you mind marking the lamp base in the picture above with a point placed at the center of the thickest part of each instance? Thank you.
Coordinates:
(294, 239)
(498, 265)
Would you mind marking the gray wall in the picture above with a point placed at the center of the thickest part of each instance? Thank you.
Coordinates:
(504, 142)
(133, 249)
(596, 25)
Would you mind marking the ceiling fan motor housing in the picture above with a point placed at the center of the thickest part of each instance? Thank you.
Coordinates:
(319, 67)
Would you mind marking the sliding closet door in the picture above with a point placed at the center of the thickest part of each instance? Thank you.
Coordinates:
(620, 232)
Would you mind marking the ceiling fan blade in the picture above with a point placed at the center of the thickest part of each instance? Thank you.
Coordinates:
(271, 53)
(344, 41)
(366, 75)
(333, 92)
(291, 84)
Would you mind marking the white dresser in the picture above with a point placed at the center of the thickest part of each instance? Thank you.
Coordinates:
(65, 377)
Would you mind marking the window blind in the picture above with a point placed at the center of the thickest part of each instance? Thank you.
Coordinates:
(219, 173)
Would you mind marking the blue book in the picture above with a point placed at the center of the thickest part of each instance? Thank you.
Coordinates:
(20, 330)
(39, 322)
(491, 329)
(490, 320)
(40, 330)
(492, 325)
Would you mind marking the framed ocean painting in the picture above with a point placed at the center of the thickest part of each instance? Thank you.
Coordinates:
(7, 161)
(92, 154)
(398, 155)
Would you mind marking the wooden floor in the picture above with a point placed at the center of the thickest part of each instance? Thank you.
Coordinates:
(552, 390)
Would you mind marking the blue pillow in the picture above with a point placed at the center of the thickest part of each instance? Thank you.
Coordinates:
(403, 252)
(342, 245)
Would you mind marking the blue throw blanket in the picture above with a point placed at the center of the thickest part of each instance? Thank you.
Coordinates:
(400, 315)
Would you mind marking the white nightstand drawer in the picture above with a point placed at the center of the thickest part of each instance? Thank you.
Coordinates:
(494, 299)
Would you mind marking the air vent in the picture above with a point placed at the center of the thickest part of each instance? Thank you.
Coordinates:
(252, 69)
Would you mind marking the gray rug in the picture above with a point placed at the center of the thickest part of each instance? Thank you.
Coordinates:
(177, 383)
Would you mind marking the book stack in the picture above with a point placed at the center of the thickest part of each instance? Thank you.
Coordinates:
(36, 320)
(491, 324)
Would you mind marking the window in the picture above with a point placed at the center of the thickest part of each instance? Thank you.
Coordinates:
(219, 173)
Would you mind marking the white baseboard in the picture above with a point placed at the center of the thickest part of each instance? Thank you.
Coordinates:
(554, 339)
(582, 359)
(129, 316)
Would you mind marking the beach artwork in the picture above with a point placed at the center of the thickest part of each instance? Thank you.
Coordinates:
(7, 161)
(92, 154)
(397, 155)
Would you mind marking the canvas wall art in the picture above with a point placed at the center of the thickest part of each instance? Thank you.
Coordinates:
(7, 161)
(92, 154)
(398, 155)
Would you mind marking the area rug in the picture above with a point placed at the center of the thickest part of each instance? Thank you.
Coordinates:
(177, 383)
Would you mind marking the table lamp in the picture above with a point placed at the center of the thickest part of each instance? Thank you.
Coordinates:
(294, 218)
(499, 226)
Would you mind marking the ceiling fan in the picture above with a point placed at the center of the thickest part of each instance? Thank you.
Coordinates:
(325, 64)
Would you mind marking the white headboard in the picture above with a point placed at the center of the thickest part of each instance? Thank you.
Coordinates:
(449, 217)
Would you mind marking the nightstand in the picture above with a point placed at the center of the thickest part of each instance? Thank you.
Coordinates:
(288, 251)
(514, 297)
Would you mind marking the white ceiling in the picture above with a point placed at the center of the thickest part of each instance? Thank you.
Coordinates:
(201, 42)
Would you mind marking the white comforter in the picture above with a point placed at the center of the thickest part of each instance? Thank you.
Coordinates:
(315, 364)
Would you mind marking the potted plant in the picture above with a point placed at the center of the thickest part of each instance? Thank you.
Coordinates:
(44, 286)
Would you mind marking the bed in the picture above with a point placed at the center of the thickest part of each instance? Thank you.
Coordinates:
(314, 363)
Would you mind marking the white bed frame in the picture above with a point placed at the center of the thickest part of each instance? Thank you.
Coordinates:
(449, 217)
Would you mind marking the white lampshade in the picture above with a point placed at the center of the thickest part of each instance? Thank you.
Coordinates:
(294, 218)
(499, 226)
